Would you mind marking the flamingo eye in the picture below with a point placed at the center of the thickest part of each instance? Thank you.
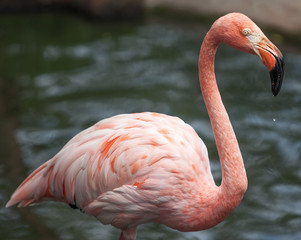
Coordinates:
(246, 32)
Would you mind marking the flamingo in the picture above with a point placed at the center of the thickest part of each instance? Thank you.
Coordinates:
(132, 169)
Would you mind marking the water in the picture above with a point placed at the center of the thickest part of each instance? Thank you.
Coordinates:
(60, 74)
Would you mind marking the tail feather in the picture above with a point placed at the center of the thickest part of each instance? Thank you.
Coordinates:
(33, 189)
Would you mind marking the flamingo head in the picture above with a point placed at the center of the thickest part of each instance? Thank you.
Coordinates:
(242, 33)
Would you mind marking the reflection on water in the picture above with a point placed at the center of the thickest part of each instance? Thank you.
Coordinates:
(72, 73)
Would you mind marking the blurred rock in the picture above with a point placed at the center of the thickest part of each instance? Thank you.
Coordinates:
(19, 5)
(110, 9)
(282, 14)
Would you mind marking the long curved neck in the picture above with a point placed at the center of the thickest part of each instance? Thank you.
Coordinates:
(234, 179)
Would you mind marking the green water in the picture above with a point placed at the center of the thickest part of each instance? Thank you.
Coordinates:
(60, 74)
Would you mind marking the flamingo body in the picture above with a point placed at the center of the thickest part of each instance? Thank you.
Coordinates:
(126, 170)
(132, 169)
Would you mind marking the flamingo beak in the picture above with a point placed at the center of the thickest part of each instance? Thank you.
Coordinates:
(272, 58)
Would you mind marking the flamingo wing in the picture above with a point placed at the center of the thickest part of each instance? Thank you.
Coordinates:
(119, 167)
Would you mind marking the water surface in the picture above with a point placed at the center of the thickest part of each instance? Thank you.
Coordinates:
(61, 74)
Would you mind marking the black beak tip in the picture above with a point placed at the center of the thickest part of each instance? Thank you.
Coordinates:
(276, 75)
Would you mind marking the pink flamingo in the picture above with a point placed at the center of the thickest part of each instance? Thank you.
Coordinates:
(148, 167)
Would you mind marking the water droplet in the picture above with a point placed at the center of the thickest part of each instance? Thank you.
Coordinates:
(274, 119)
